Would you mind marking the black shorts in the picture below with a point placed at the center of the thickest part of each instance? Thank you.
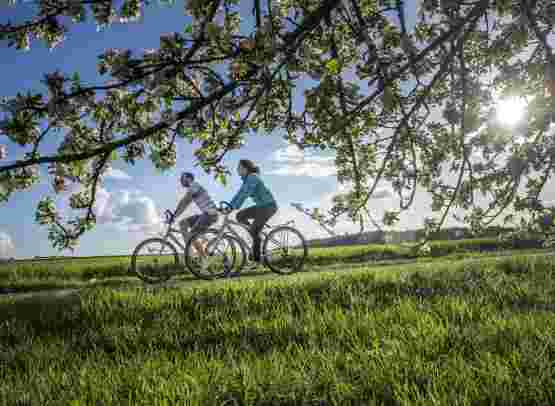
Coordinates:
(200, 222)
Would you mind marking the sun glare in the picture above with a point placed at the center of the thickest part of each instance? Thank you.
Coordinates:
(511, 110)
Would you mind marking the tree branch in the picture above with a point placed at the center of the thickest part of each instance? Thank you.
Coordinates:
(291, 45)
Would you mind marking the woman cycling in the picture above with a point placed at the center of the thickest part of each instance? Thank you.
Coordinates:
(264, 203)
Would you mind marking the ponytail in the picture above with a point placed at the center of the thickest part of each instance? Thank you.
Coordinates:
(249, 166)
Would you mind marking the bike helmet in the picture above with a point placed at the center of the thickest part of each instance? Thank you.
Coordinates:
(188, 175)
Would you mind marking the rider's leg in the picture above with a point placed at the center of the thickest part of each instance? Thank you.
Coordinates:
(262, 215)
(184, 228)
(202, 223)
(199, 248)
(187, 227)
(243, 217)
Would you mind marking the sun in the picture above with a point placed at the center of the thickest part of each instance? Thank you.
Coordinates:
(511, 110)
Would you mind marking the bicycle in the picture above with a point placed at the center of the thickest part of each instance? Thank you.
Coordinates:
(268, 254)
(167, 258)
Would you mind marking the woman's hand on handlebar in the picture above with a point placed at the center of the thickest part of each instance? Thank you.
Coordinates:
(225, 207)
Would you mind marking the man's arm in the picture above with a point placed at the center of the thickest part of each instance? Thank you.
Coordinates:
(183, 204)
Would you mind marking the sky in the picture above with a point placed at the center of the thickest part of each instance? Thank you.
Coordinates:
(132, 198)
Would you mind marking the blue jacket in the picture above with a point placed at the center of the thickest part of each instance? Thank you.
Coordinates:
(254, 188)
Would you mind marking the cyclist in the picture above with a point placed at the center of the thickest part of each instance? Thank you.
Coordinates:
(197, 222)
(264, 203)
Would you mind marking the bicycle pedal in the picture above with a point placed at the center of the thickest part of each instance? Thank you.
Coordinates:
(252, 266)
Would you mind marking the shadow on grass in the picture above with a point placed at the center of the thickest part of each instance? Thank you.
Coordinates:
(55, 286)
(39, 285)
(40, 307)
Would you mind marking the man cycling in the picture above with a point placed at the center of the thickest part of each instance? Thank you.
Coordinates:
(198, 222)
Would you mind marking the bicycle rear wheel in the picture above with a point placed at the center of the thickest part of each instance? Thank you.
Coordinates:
(224, 255)
(155, 260)
(284, 250)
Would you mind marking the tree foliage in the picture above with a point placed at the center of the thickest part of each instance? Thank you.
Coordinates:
(395, 105)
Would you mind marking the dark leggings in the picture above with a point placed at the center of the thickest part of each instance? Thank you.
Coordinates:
(260, 215)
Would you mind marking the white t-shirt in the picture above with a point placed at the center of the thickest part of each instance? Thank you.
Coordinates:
(202, 199)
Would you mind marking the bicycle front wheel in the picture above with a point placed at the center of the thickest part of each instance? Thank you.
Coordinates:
(154, 260)
(284, 250)
(218, 256)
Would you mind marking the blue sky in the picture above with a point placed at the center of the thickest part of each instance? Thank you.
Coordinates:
(132, 198)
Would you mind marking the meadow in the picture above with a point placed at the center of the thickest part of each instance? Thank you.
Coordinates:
(449, 331)
(32, 275)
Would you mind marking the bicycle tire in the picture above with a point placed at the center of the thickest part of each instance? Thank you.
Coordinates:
(236, 255)
(163, 276)
(266, 254)
(235, 240)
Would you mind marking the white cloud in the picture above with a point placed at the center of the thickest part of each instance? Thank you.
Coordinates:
(117, 174)
(383, 199)
(104, 207)
(305, 169)
(326, 200)
(292, 161)
(7, 247)
(290, 153)
(309, 228)
(140, 210)
(126, 210)
(312, 229)
(131, 211)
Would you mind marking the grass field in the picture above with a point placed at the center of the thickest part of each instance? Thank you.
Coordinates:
(32, 275)
(446, 332)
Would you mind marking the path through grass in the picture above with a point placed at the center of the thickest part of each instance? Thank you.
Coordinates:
(114, 271)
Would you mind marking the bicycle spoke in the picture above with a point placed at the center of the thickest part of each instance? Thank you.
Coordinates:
(155, 260)
(284, 250)
(220, 254)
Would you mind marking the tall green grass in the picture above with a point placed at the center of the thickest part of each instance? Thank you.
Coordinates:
(423, 334)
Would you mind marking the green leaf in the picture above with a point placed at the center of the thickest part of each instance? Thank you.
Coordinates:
(222, 179)
(388, 99)
(332, 66)
(213, 30)
(390, 217)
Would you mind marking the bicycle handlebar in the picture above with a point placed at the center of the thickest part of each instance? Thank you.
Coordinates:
(169, 217)
(225, 207)
(226, 204)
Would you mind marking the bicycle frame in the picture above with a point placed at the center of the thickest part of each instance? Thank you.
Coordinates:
(171, 232)
(170, 235)
(229, 224)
